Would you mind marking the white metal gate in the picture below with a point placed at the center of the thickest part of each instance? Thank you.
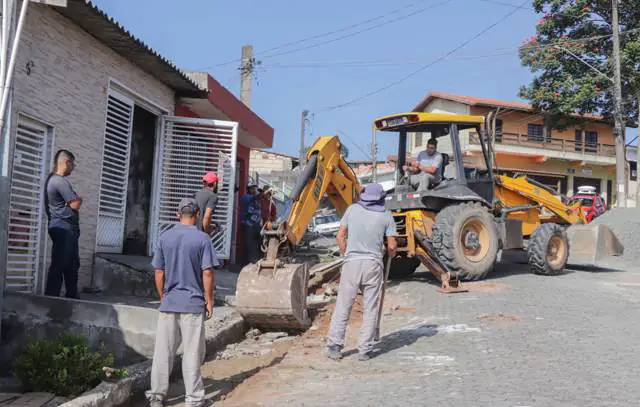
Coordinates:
(115, 173)
(32, 155)
(189, 148)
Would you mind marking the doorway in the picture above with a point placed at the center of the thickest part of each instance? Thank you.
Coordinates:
(140, 182)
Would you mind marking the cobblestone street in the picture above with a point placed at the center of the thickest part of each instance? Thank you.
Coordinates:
(515, 339)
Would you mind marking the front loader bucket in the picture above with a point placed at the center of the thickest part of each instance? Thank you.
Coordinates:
(589, 244)
(273, 299)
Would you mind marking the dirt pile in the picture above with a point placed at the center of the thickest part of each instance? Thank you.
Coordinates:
(625, 224)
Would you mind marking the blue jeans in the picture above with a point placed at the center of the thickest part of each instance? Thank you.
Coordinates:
(65, 263)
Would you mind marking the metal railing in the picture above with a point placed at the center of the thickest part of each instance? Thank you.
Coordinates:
(550, 143)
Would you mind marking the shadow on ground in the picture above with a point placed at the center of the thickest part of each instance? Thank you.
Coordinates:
(401, 338)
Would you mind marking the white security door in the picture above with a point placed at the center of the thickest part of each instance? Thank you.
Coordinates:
(188, 149)
(115, 173)
(32, 155)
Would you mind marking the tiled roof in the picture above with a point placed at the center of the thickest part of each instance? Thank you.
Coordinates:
(105, 29)
(483, 102)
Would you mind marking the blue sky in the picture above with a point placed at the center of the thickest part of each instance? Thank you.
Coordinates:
(202, 34)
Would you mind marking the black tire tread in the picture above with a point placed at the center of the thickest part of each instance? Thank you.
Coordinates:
(537, 249)
(443, 238)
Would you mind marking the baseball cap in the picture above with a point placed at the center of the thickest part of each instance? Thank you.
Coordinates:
(210, 178)
(187, 202)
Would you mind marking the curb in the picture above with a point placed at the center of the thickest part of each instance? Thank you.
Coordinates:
(110, 394)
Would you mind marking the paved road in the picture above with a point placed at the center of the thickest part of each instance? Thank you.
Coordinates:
(515, 340)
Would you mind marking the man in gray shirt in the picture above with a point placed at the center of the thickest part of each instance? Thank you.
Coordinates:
(207, 199)
(62, 204)
(183, 260)
(426, 170)
(365, 225)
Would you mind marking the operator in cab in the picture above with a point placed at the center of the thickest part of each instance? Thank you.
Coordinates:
(425, 171)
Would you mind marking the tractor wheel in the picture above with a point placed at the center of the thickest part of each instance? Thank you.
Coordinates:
(402, 267)
(548, 249)
(465, 238)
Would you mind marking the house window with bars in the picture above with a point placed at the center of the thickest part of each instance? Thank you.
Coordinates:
(535, 132)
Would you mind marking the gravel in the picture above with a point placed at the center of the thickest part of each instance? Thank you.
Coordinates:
(625, 224)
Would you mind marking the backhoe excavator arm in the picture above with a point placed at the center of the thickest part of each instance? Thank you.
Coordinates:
(326, 173)
(272, 292)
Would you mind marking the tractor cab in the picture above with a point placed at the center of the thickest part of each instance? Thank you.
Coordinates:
(461, 176)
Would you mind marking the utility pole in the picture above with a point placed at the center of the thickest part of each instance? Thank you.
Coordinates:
(246, 74)
(619, 123)
(303, 128)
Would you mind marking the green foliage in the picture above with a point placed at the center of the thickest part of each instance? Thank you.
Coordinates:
(564, 84)
(65, 366)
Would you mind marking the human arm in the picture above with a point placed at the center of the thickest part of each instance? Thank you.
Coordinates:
(208, 262)
(341, 237)
(64, 188)
(158, 265)
(390, 233)
(207, 219)
(434, 168)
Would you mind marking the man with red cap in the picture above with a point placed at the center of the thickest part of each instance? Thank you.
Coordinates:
(207, 198)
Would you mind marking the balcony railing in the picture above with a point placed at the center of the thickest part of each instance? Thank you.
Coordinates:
(550, 143)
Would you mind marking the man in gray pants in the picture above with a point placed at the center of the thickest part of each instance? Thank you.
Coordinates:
(364, 225)
(183, 260)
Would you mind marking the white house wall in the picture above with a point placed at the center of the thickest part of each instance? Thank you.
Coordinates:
(67, 88)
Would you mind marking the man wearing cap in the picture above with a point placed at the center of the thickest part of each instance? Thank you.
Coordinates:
(183, 260)
(363, 229)
(207, 199)
(250, 220)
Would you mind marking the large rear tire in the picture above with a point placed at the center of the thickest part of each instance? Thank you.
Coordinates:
(465, 238)
(548, 250)
(403, 267)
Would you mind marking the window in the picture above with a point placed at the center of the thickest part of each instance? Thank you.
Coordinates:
(578, 140)
(498, 130)
(418, 138)
(591, 141)
(535, 133)
(633, 168)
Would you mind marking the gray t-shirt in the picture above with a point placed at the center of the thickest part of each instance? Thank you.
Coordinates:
(205, 198)
(431, 161)
(366, 231)
(59, 193)
(183, 252)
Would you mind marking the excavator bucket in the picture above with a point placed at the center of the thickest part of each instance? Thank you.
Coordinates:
(589, 244)
(274, 299)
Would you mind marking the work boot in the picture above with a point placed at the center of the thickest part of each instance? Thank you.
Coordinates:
(334, 352)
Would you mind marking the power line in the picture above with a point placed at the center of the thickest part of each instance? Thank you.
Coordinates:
(423, 68)
(330, 33)
(353, 34)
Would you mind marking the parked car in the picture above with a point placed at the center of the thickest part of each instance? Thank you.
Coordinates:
(591, 202)
(325, 225)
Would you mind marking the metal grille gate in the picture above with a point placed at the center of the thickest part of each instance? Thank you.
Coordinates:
(115, 173)
(189, 148)
(32, 155)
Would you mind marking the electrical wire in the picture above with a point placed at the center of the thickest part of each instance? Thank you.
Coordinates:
(340, 30)
(422, 68)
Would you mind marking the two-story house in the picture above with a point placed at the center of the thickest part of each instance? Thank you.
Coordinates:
(579, 155)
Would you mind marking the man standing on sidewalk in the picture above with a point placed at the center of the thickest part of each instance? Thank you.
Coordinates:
(364, 225)
(183, 260)
(62, 204)
(207, 199)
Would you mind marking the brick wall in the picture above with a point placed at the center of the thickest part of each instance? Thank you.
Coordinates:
(67, 88)
(265, 163)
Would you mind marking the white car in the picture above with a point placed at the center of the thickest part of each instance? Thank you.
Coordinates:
(326, 224)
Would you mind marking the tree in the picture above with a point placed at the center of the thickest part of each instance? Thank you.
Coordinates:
(572, 43)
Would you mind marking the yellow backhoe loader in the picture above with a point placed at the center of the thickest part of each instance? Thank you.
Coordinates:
(455, 229)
